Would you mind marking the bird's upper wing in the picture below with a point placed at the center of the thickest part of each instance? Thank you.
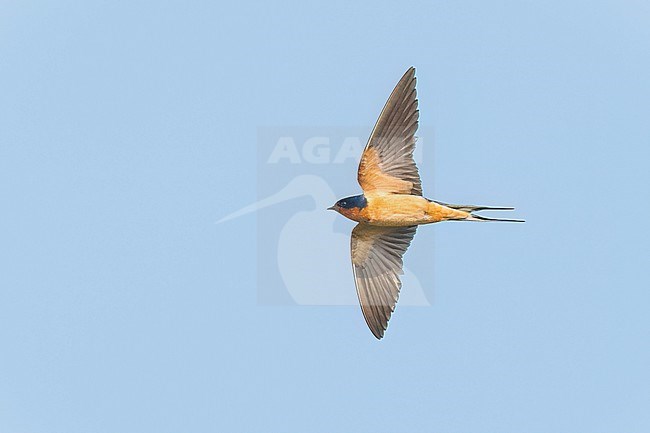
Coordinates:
(387, 163)
(377, 263)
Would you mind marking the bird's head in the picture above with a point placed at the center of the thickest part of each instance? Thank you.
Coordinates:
(350, 206)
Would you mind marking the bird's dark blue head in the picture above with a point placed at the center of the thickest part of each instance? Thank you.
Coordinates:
(356, 201)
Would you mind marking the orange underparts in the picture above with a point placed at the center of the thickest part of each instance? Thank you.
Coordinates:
(402, 210)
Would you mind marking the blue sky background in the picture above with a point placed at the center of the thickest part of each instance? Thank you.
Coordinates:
(127, 129)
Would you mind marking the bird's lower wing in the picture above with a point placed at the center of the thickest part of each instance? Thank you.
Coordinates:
(377, 263)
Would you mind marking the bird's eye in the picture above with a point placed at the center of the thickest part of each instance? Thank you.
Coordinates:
(344, 203)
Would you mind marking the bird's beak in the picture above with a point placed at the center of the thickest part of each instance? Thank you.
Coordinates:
(331, 208)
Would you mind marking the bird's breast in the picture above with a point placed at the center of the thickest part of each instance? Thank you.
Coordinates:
(355, 214)
(396, 210)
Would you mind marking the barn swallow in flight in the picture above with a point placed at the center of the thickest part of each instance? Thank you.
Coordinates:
(392, 206)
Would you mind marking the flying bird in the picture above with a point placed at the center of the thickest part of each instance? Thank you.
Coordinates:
(392, 206)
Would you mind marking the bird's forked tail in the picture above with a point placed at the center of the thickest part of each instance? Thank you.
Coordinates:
(473, 217)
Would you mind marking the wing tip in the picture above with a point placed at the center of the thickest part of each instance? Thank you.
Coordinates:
(377, 332)
(409, 74)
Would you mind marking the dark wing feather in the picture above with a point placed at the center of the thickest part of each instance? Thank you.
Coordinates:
(377, 263)
(387, 162)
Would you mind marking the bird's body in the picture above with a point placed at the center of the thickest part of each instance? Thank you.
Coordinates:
(401, 210)
(392, 206)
